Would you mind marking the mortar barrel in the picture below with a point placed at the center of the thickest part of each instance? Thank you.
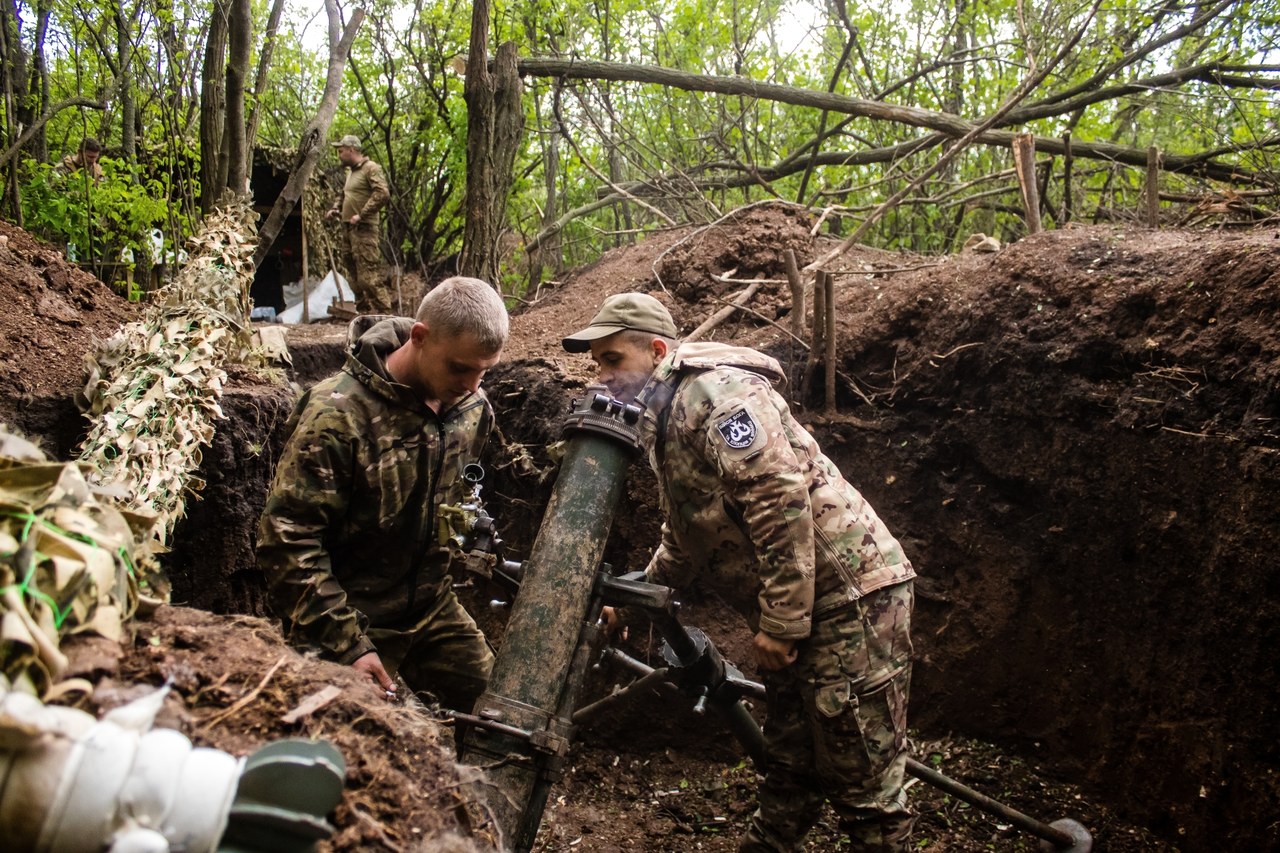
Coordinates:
(533, 666)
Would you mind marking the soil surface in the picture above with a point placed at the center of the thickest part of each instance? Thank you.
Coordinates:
(1075, 438)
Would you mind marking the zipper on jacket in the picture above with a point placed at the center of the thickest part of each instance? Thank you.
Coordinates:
(425, 545)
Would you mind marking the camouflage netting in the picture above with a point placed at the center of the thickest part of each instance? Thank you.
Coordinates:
(67, 559)
(154, 387)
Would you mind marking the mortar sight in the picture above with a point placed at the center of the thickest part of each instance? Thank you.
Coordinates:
(600, 413)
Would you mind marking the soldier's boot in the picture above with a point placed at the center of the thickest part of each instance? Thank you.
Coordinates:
(764, 837)
(884, 833)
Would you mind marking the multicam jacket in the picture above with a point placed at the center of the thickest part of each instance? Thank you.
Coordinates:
(347, 539)
(752, 507)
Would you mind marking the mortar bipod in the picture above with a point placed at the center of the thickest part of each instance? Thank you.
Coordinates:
(693, 656)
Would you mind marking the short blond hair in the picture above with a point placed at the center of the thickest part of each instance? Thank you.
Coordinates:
(462, 305)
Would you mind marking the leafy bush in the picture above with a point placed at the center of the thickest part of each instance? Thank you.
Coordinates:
(106, 227)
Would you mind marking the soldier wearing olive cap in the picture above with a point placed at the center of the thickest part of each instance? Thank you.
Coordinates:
(754, 510)
(363, 195)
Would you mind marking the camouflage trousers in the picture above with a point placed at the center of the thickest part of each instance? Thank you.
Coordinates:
(443, 653)
(836, 731)
(363, 258)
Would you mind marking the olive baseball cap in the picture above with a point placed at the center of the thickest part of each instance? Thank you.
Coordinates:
(348, 141)
(622, 311)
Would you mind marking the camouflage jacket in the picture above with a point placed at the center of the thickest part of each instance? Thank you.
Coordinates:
(348, 536)
(752, 507)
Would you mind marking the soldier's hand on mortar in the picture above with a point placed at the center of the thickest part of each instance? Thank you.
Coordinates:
(355, 219)
(332, 213)
(371, 666)
(613, 627)
(773, 654)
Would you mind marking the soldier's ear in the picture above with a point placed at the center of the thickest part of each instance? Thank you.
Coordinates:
(419, 333)
(659, 349)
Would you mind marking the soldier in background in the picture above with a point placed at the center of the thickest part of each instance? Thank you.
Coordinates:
(754, 511)
(86, 158)
(348, 539)
(363, 195)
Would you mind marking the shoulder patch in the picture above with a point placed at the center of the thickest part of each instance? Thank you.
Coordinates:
(739, 429)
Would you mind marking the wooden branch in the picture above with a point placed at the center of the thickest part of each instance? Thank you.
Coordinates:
(78, 101)
(1109, 71)
(638, 73)
(1020, 92)
(724, 313)
(264, 63)
(312, 142)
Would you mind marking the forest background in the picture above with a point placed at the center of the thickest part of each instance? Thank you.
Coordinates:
(893, 120)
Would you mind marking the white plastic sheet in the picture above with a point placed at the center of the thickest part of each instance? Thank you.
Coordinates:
(318, 300)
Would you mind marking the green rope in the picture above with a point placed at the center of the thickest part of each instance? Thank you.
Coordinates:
(26, 588)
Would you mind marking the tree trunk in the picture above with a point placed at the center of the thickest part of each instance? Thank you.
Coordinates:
(240, 25)
(312, 143)
(128, 104)
(264, 63)
(495, 122)
(38, 90)
(212, 108)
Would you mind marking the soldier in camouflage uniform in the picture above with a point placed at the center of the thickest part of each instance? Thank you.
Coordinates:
(348, 538)
(363, 195)
(756, 512)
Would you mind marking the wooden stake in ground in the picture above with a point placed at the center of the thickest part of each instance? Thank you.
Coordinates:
(816, 334)
(306, 285)
(1153, 187)
(1024, 161)
(829, 338)
(797, 293)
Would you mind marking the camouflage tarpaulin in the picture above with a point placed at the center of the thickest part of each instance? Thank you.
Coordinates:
(154, 387)
(67, 559)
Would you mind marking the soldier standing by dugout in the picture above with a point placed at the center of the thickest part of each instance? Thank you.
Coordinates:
(754, 510)
(363, 195)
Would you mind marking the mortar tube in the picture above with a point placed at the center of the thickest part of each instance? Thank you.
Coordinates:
(534, 665)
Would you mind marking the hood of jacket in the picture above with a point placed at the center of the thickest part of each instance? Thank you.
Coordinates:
(371, 339)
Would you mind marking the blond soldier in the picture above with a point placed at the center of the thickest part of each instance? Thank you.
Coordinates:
(755, 511)
(348, 539)
(364, 194)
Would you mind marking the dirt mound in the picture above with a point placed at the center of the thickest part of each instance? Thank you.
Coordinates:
(1075, 438)
(234, 680)
(52, 313)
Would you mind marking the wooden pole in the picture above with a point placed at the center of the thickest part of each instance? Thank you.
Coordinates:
(816, 332)
(829, 286)
(797, 293)
(1066, 177)
(1024, 161)
(306, 285)
(1153, 187)
(719, 317)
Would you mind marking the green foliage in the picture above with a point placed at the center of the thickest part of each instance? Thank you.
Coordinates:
(690, 156)
(106, 226)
